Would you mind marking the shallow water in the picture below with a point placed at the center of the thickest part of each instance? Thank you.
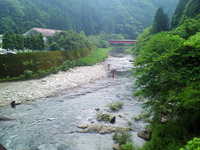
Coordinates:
(51, 123)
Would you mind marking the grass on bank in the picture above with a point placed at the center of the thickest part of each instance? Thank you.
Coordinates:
(124, 140)
(93, 58)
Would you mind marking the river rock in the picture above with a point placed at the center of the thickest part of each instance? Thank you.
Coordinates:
(83, 126)
(113, 120)
(101, 129)
(120, 116)
(97, 109)
(51, 119)
(164, 119)
(146, 135)
(2, 118)
(2, 147)
(116, 147)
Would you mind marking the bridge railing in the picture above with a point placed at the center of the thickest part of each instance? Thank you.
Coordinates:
(122, 41)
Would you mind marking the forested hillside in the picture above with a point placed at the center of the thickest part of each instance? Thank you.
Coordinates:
(92, 16)
(185, 9)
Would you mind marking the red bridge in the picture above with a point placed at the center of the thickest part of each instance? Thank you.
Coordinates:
(122, 41)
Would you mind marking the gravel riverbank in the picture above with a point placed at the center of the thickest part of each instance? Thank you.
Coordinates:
(23, 91)
(70, 120)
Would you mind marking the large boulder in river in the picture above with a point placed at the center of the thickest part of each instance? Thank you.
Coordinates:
(116, 147)
(146, 135)
(2, 118)
(113, 120)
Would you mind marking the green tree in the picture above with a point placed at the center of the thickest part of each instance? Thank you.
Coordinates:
(178, 13)
(93, 17)
(9, 41)
(27, 42)
(185, 9)
(188, 28)
(70, 40)
(6, 41)
(192, 145)
(192, 8)
(53, 46)
(40, 42)
(19, 42)
(34, 42)
(161, 22)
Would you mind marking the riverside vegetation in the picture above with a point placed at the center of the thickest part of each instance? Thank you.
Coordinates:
(167, 70)
(72, 49)
(96, 56)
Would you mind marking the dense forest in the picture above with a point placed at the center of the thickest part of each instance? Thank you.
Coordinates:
(127, 17)
(185, 9)
(167, 70)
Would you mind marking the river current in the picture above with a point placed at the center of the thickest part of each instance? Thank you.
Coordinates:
(51, 123)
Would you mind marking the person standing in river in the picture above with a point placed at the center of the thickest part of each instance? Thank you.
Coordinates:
(113, 71)
(109, 67)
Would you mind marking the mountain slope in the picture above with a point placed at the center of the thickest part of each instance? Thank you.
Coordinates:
(92, 16)
(186, 8)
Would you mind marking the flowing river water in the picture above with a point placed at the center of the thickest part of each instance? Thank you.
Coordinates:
(51, 123)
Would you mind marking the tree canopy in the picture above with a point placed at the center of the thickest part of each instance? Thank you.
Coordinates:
(167, 68)
(69, 40)
(128, 17)
(161, 21)
(185, 9)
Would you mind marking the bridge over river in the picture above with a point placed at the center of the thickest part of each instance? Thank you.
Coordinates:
(129, 42)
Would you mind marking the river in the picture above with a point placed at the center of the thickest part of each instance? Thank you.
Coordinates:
(51, 123)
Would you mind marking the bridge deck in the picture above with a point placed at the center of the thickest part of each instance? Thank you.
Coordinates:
(122, 41)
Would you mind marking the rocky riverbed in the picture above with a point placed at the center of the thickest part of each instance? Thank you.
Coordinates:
(23, 91)
(68, 120)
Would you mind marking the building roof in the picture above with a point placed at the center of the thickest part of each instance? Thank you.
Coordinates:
(43, 31)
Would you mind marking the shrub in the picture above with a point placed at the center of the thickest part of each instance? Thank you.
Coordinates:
(28, 74)
(165, 136)
(128, 146)
(122, 137)
(192, 145)
(143, 116)
(115, 106)
(15, 65)
(188, 28)
(44, 63)
(104, 117)
(67, 65)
